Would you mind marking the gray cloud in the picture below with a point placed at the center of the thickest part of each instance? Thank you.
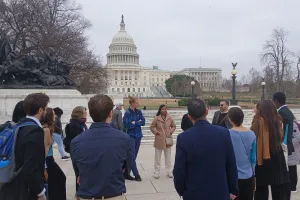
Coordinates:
(174, 34)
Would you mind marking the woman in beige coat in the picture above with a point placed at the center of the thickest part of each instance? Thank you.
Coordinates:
(163, 126)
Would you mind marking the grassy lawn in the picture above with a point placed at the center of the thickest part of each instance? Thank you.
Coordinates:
(246, 101)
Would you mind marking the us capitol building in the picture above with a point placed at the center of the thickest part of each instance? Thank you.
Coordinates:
(128, 77)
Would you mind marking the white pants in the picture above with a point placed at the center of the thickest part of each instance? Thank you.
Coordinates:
(157, 159)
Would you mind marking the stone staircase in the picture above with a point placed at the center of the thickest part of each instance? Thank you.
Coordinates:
(164, 93)
(155, 92)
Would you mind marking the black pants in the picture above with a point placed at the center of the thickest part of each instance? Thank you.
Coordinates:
(56, 181)
(246, 189)
(77, 185)
(279, 192)
(293, 177)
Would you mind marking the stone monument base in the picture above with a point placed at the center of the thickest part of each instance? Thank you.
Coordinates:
(66, 99)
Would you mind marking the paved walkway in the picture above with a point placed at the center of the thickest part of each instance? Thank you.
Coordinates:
(149, 188)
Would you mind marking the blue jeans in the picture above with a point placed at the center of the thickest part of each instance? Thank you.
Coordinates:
(135, 145)
(59, 142)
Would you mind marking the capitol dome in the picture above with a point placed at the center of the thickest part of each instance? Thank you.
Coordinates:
(122, 50)
(122, 36)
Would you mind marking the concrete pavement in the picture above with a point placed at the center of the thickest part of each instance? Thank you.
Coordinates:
(149, 188)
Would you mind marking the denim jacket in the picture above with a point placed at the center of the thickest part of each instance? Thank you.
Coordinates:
(134, 130)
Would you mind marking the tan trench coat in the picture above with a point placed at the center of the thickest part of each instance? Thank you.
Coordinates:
(163, 127)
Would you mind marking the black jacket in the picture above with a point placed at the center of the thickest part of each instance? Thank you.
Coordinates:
(30, 153)
(73, 129)
(288, 118)
(224, 123)
(186, 123)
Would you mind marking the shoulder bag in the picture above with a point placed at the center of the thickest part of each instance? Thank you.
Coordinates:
(169, 139)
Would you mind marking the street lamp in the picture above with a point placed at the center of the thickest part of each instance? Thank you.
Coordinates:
(263, 85)
(193, 87)
(233, 73)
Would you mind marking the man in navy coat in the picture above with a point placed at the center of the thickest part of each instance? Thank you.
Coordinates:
(205, 166)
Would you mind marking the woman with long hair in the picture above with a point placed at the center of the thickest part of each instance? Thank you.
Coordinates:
(163, 126)
(18, 112)
(271, 168)
(53, 174)
(244, 145)
(133, 121)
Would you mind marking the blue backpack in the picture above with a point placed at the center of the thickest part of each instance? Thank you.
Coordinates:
(8, 137)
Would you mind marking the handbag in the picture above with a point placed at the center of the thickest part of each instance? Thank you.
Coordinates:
(169, 139)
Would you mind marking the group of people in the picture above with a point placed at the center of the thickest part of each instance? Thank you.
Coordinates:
(222, 160)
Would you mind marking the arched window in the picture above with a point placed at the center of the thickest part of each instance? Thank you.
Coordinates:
(128, 89)
(133, 89)
(118, 89)
(123, 89)
(112, 89)
(139, 89)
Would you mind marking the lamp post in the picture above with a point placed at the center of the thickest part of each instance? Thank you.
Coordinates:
(193, 87)
(233, 73)
(263, 85)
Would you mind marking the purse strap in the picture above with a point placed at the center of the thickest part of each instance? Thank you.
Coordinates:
(163, 129)
(249, 159)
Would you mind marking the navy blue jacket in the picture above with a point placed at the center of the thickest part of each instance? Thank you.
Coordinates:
(134, 130)
(98, 156)
(205, 166)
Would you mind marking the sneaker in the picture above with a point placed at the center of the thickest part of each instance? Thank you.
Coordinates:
(138, 178)
(170, 175)
(66, 158)
(294, 191)
(128, 177)
(156, 175)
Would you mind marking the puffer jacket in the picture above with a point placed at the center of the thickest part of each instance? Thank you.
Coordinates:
(294, 159)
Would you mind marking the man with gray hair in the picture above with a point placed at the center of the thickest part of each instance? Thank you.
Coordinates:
(117, 118)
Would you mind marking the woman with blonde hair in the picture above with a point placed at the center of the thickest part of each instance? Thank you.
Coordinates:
(53, 174)
(76, 126)
(271, 168)
(133, 120)
(163, 126)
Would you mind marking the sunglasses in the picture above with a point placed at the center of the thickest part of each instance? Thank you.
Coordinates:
(221, 105)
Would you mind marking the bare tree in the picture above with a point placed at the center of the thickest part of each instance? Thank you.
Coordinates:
(276, 55)
(298, 68)
(56, 27)
(254, 77)
(227, 84)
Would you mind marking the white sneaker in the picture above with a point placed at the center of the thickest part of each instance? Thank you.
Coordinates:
(294, 191)
(156, 175)
(170, 175)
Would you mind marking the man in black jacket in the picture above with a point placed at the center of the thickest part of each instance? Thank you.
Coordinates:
(279, 100)
(29, 154)
(220, 117)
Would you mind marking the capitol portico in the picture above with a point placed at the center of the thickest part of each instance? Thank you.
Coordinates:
(128, 77)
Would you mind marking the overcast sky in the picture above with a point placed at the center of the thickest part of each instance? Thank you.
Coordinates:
(176, 34)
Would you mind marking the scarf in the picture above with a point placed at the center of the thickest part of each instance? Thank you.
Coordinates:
(260, 128)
